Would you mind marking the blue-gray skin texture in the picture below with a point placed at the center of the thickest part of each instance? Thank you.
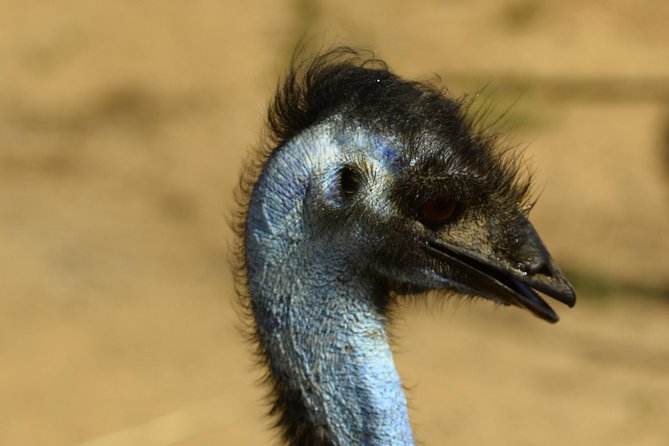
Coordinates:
(316, 311)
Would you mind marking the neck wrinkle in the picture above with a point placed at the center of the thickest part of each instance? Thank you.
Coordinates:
(331, 345)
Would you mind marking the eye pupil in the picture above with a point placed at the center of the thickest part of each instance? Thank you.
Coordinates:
(348, 182)
(437, 210)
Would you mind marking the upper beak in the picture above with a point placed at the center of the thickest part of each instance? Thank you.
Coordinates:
(499, 281)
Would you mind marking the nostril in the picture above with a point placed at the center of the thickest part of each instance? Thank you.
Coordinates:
(545, 269)
(536, 265)
(532, 257)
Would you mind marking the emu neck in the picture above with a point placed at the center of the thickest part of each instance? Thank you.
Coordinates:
(318, 320)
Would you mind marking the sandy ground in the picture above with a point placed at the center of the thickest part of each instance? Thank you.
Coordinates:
(122, 130)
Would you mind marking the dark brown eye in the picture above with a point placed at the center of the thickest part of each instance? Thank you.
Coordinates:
(437, 210)
(349, 182)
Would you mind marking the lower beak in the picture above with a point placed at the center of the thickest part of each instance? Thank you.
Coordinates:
(505, 284)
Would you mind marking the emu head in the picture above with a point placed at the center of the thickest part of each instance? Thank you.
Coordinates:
(406, 190)
(373, 185)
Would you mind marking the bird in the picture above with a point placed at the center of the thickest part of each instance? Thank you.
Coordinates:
(369, 188)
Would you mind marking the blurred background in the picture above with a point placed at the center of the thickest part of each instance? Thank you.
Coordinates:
(123, 126)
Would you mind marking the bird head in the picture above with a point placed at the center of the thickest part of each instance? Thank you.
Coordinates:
(409, 191)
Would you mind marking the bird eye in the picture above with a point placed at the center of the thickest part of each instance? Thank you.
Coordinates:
(349, 182)
(437, 210)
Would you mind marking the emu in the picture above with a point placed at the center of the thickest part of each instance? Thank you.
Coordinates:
(371, 188)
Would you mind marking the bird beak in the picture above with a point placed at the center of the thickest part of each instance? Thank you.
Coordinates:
(498, 280)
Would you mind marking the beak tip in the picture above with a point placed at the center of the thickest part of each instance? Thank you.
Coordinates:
(547, 314)
(569, 297)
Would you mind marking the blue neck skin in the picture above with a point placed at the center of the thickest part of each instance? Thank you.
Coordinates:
(316, 315)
